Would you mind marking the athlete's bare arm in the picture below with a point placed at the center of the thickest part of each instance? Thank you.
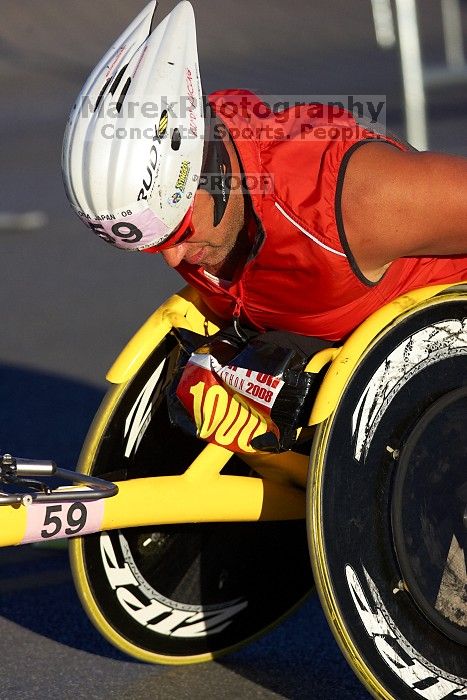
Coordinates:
(397, 204)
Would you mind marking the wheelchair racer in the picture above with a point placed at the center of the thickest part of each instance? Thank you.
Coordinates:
(299, 220)
(339, 220)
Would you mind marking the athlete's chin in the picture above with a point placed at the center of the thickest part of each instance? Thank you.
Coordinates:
(212, 262)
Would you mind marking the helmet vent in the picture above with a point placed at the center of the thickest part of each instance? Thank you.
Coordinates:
(123, 94)
(176, 140)
(117, 80)
(101, 94)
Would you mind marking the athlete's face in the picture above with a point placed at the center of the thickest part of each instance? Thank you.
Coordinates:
(212, 247)
(209, 246)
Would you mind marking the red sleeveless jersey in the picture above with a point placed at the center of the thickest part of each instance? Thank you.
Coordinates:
(301, 276)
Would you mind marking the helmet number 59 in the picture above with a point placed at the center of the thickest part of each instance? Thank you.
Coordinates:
(124, 230)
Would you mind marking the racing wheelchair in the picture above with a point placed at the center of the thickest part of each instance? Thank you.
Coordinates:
(183, 538)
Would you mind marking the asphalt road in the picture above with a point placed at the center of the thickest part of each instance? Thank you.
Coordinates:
(69, 303)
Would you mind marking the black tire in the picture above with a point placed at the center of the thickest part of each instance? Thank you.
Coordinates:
(386, 508)
(197, 591)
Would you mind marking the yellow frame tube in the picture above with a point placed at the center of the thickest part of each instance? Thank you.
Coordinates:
(284, 468)
(201, 494)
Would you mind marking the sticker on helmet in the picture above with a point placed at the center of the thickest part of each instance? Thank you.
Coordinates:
(174, 199)
(183, 176)
(134, 230)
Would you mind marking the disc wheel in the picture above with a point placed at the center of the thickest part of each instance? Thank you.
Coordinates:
(178, 593)
(386, 508)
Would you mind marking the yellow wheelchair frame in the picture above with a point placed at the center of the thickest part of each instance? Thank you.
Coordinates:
(202, 494)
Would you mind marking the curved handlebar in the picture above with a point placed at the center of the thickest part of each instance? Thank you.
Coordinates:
(22, 473)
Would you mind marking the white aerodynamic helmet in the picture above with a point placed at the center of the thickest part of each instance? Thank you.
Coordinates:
(133, 146)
